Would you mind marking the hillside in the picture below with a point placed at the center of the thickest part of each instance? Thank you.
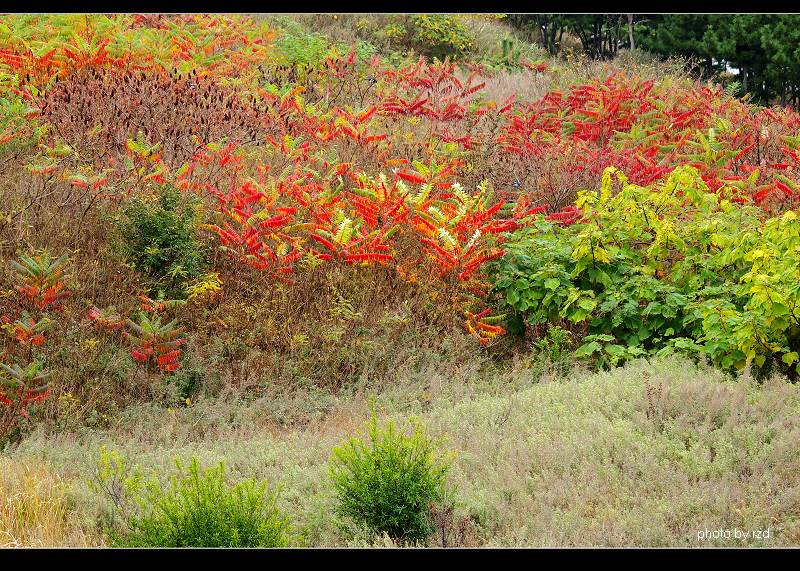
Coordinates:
(248, 239)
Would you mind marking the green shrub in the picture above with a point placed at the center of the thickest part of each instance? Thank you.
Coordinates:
(662, 268)
(298, 46)
(364, 50)
(185, 382)
(389, 484)
(440, 36)
(200, 510)
(555, 347)
(160, 239)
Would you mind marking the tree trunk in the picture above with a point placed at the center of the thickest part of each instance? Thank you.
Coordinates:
(743, 73)
(630, 31)
(544, 29)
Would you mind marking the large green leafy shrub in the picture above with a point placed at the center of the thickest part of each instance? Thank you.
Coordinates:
(389, 483)
(662, 268)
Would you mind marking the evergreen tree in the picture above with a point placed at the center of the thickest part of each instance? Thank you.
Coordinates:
(763, 48)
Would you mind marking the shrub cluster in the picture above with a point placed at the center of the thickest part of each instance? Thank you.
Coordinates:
(660, 268)
(393, 485)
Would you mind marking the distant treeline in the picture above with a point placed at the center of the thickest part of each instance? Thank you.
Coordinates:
(764, 48)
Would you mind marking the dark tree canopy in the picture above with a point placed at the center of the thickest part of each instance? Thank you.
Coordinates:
(764, 49)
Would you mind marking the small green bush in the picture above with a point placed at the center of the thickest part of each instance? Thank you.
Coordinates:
(298, 46)
(200, 510)
(555, 347)
(184, 382)
(389, 484)
(440, 36)
(160, 239)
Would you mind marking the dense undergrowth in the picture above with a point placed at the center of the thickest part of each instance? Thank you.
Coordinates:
(198, 206)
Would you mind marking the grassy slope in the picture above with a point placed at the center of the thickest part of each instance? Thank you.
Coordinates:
(592, 460)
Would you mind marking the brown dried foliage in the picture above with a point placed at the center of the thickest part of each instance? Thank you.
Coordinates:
(101, 108)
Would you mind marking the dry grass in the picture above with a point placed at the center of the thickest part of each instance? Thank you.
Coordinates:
(561, 73)
(35, 510)
(646, 455)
